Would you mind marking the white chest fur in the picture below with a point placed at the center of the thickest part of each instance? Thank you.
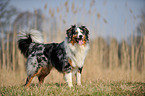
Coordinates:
(76, 53)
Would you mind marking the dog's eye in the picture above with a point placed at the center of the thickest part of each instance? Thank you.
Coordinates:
(76, 32)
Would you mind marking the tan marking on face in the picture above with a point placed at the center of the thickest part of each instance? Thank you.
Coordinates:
(84, 40)
(73, 41)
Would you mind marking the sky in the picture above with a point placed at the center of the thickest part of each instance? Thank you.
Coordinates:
(118, 18)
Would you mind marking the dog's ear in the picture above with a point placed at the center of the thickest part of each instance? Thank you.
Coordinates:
(70, 31)
(86, 31)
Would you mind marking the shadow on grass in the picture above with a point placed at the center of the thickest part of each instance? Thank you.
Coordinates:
(48, 84)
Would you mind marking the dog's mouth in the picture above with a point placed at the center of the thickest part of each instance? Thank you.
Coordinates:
(79, 41)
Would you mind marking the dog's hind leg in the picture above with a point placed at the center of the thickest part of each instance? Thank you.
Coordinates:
(29, 78)
(44, 72)
(41, 79)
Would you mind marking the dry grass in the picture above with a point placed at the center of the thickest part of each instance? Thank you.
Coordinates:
(99, 87)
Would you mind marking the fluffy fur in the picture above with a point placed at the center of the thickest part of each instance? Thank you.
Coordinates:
(67, 57)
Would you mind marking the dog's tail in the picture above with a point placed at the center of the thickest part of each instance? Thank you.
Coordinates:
(26, 38)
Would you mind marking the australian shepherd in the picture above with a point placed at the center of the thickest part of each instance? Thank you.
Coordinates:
(67, 57)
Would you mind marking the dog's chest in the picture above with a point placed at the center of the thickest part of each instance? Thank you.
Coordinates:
(77, 54)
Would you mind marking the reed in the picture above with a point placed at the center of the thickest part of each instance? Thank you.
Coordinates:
(144, 54)
(14, 50)
(3, 51)
(7, 52)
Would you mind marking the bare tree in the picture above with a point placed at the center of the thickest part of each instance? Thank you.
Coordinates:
(6, 14)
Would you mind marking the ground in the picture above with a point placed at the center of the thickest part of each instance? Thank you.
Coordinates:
(99, 87)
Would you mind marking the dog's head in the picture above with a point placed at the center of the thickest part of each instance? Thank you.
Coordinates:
(78, 35)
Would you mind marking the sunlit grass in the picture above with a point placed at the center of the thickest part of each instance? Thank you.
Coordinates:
(99, 87)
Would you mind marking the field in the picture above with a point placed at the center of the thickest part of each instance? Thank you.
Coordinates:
(111, 67)
(98, 88)
(107, 82)
(13, 85)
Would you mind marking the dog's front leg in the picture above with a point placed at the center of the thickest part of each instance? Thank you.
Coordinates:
(79, 76)
(68, 79)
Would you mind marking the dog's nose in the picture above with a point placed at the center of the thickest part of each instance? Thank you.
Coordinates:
(80, 36)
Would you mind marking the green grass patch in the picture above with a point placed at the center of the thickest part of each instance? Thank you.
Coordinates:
(98, 88)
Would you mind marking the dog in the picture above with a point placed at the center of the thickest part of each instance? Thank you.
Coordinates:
(67, 57)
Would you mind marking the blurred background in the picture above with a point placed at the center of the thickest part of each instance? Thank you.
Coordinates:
(117, 36)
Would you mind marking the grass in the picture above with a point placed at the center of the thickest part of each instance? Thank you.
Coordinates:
(11, 84)
(99, 87)
(107, 83)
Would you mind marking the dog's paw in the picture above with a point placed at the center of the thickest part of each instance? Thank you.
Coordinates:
(70, 84)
